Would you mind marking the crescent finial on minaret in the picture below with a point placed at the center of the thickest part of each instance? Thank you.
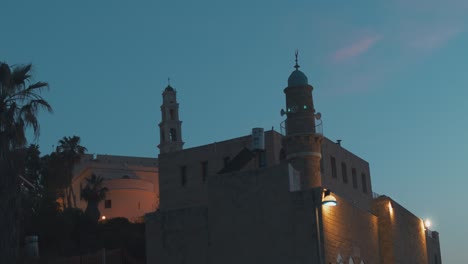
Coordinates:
(297, 65)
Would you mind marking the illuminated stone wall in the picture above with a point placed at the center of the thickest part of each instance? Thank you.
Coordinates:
(350, 232)
(402, 235)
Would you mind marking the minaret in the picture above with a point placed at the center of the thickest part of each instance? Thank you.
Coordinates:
(303, 138)
(170, 127)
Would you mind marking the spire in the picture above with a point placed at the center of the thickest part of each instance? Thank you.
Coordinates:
(168, 81)
(297, 78)
(297, 65)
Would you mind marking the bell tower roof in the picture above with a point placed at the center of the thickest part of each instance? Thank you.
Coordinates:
(169, 89)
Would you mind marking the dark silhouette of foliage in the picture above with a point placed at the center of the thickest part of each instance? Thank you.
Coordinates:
(20, 103)
(93, 193)
(69, 152)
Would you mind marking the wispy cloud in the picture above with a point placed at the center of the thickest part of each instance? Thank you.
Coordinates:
(355, 49)
(433, 39)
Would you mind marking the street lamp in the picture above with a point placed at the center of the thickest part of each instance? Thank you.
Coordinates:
(329, 199)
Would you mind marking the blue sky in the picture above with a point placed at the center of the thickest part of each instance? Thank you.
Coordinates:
(390, 80)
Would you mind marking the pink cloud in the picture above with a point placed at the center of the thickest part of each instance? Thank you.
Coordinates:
(355, 49)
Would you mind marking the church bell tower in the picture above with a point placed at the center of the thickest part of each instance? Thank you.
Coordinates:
(303, 139)
(170, 127)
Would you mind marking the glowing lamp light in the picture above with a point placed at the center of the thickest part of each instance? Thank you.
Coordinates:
(427, 223)
(329, 199)
(103, 217)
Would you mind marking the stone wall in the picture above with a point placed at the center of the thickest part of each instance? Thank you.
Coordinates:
(174, 194)
(350, 232)
(337, 184)
(177, 236)
(402, 235)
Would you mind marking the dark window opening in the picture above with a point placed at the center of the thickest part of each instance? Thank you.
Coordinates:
(108, 204)
(162, 136)
(353, 173)
(226, 161)
(344, 172)
(139, 205)
(183, 175)
(204, 170)
(173, 134)
(171, 113)
(261, 159)
(333, 166)
(321, 164)
(282, 154)
(364, 183)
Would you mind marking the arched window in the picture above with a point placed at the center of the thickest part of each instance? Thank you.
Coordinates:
(173, 134)
(339, 259)
(171, 113)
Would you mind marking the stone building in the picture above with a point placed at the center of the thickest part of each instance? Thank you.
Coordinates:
(264, 198)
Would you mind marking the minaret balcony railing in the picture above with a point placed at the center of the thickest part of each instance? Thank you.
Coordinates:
(318, 129)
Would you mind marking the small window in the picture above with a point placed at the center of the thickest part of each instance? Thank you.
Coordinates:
(171, 113)
(162, 136)
(139, 205)
(364, 183)
(173, 134)
(353, 173)
(282, 154)
(333, 166)
(321, 164)
(204, 170)
(261, 159)
(226, 161)
(344, 172)
(108, 204)
(183, 175)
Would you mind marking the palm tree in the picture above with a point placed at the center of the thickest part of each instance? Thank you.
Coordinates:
(70, 152)
(93, 193)
(20, 103)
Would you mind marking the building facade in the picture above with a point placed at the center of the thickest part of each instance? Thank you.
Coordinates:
(260, 198)
(132, 183)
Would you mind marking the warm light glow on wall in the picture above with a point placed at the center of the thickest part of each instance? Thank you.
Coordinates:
(103, 217)
(390, 208)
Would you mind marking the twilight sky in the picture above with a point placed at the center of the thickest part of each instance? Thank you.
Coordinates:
(390, 80)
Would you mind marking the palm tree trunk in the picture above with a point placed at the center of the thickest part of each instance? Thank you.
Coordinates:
(72, 193)
(69, 203)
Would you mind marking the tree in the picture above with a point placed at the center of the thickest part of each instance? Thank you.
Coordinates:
(93, 193)
(20, 103)
(70, 152)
